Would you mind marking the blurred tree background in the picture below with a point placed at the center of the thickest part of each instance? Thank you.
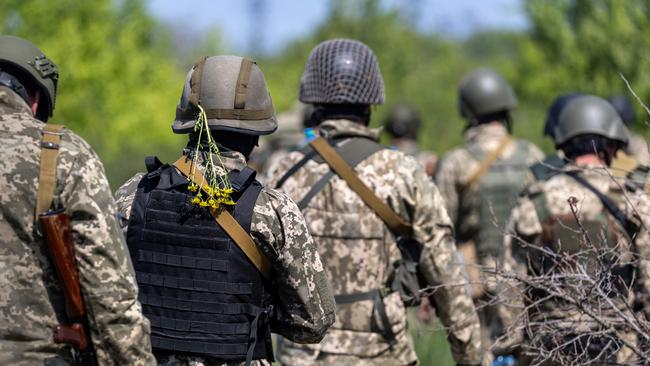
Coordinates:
(122, 70)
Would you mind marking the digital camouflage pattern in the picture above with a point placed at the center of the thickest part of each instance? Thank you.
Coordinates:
(305, 307)
(31, 301)
(525, 224)
(427, 159)
(464, 207)
(359, 253)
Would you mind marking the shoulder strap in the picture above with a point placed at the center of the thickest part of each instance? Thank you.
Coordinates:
(309, 154)
(228, 223)
(353, 151)
(488, 161)
(50, 144)
(345, 171)
(630, 227)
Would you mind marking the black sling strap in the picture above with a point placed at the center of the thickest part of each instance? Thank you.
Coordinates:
(309, 154)
(630, 227)
(353, 151)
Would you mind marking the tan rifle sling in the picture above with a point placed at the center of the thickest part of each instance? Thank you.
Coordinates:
(228, 223)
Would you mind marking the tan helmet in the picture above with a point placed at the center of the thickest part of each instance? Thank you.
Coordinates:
(233, 93)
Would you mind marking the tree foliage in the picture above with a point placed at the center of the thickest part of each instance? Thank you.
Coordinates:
(118, 84)
(583, 45)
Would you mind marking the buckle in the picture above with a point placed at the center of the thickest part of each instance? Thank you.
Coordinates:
(49, 145)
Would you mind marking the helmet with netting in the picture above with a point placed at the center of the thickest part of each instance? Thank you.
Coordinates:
(342, 71)
(233, 93)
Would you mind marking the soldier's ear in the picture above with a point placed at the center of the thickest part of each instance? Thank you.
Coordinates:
(35, 99)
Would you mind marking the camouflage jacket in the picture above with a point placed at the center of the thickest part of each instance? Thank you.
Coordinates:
(427, 159)
(360, 253)
(31, 301)
(539, 211)
(306, 307)
(458, 165)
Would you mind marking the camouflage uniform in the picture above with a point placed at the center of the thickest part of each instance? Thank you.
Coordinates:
(359, 253)
(525, 224)
(306, 307)
(638, 148)
(31, 301)
(454, 170)
(427, 159)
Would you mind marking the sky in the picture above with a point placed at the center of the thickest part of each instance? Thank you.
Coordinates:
(277, 22)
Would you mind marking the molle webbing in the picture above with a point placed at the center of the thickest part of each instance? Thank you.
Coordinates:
(396, 224)
(50, 145)
(229, 224)
(238, 112)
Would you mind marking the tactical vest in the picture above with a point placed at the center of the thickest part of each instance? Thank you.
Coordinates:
(197, 288)
(405, 278)
(498, 190)
(565, 236)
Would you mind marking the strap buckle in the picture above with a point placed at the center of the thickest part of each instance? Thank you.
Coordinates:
(49, 145)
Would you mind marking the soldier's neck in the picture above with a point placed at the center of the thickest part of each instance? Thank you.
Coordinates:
(589, 159)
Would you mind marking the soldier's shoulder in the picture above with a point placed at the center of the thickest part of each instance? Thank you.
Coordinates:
(274, 202)
(532, 148)
(456, 154)
(129, 187)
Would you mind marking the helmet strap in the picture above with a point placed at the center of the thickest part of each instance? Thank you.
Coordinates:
(11, 82)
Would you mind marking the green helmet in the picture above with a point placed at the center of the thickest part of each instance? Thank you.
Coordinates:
(484, 91)
(17, 53)
(589, 115)
(233, 93)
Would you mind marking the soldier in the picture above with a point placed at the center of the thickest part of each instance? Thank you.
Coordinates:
(545, 236)
(49, 168)
(638, 146)
(545, 169)
(403, 124)
(214, 291)
(357, 233)
(480, 182)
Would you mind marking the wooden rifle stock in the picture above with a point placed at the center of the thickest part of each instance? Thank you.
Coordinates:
(58, 235)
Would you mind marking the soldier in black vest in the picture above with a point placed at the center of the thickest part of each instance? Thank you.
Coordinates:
(220, 260)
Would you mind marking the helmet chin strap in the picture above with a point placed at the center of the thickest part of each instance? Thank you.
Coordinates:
(9, 81)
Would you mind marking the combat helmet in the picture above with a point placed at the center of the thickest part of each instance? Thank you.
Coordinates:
(623, 107)
(403, 121)
(554, 112)
(17, 54)
(342, 71)
(233, 93)
(589, 115)
(483, 92)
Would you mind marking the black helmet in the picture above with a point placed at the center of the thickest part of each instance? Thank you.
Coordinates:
(623, 107)
(21, 56)
(403, 121)
(483, 92)
(589, 115)
(554, 112)
(342, 71)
